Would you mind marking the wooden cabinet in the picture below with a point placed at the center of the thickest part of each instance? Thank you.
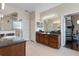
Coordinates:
(48, 39)
(53, 38)
(54, 41)
(18, 50)
(5, 51)
(14, 50)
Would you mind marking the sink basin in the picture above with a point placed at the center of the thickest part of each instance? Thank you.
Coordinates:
(45, 33)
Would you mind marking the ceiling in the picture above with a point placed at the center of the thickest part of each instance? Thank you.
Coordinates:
(33, 6)
(10, 7)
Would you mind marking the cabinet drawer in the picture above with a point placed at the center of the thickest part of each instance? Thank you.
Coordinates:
(53, 40)
(54, 45)
(45, 41)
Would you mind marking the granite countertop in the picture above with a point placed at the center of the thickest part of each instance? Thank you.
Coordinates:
(6, 43)
(50, 33)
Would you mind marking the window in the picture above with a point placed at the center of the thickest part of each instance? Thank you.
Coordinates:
(17, 24)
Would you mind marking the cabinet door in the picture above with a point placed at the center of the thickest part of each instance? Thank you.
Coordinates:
(18, 50)
(53, 45)
(37, 37)
(53, 38)
(45, 39)
(54, 41)
(41, 38)
(6, 51)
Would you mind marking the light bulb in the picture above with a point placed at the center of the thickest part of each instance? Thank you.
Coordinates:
(3, 6)
(77, 21)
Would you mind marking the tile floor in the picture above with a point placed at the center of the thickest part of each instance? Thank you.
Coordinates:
(37, 49)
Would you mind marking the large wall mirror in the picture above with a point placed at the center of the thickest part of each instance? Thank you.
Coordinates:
(50, 24)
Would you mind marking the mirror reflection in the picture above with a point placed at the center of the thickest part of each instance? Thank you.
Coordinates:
(49, 25)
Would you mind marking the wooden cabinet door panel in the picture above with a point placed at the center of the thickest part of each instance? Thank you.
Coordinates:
(49, 39)
(37, 37)
(45, 39)
(5, 51)
(18, 50)
(14, 50)
(54, 45)
(53, 38)
(41, 39)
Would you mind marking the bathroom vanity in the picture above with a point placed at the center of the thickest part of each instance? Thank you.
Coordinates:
(52, 40)
(12, 48)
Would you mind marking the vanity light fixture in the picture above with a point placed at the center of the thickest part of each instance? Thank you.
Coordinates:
(50, 16)
(58, 21)
(1, 15)
(77, 21)
(2, 6)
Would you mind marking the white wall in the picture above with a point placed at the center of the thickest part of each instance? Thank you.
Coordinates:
(34, 17)
(62, 10)
(37, 19)
(32, 26)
